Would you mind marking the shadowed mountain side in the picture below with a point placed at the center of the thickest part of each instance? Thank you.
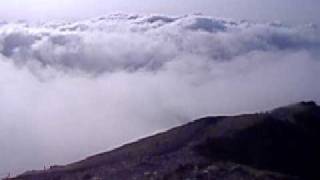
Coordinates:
(280, 144)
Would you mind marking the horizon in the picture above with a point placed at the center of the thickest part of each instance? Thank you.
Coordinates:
(286, 11)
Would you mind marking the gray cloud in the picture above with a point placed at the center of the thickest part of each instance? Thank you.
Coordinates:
(132, 42)
(73, 89)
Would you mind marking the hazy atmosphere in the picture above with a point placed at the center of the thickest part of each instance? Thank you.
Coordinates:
(75, 80)
(290, 11)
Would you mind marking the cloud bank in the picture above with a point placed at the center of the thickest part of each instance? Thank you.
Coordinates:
(71, 89)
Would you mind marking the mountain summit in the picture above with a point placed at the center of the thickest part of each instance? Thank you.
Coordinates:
(280, 144)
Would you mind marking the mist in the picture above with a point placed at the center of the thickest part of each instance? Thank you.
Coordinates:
(73, 89)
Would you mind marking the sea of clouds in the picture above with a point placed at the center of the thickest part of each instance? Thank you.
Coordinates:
(71, 89)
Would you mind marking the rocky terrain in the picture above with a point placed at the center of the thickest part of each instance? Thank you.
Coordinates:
(280, 144)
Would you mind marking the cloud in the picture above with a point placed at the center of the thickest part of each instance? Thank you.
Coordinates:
(132, 42)
(71, 89)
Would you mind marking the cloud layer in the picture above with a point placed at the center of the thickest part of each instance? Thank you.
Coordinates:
(73, 89)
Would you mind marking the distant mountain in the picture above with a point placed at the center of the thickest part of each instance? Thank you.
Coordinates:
(281, 144)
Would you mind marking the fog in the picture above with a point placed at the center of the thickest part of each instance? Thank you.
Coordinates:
(73, 89)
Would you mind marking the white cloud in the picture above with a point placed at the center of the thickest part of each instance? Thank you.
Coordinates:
(73, 89)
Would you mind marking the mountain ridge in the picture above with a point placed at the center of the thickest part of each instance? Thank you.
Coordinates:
(279, 144)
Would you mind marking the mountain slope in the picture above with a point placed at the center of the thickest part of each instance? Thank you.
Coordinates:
(280, 144)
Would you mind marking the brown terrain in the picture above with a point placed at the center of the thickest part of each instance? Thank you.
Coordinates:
(276, 145)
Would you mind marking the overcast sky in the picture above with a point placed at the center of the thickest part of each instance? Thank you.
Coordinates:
(290, 11)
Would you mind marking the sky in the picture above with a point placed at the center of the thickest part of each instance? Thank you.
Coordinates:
(288, 11)
(82, 82)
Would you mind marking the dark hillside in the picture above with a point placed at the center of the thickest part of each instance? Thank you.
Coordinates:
(281, 144)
